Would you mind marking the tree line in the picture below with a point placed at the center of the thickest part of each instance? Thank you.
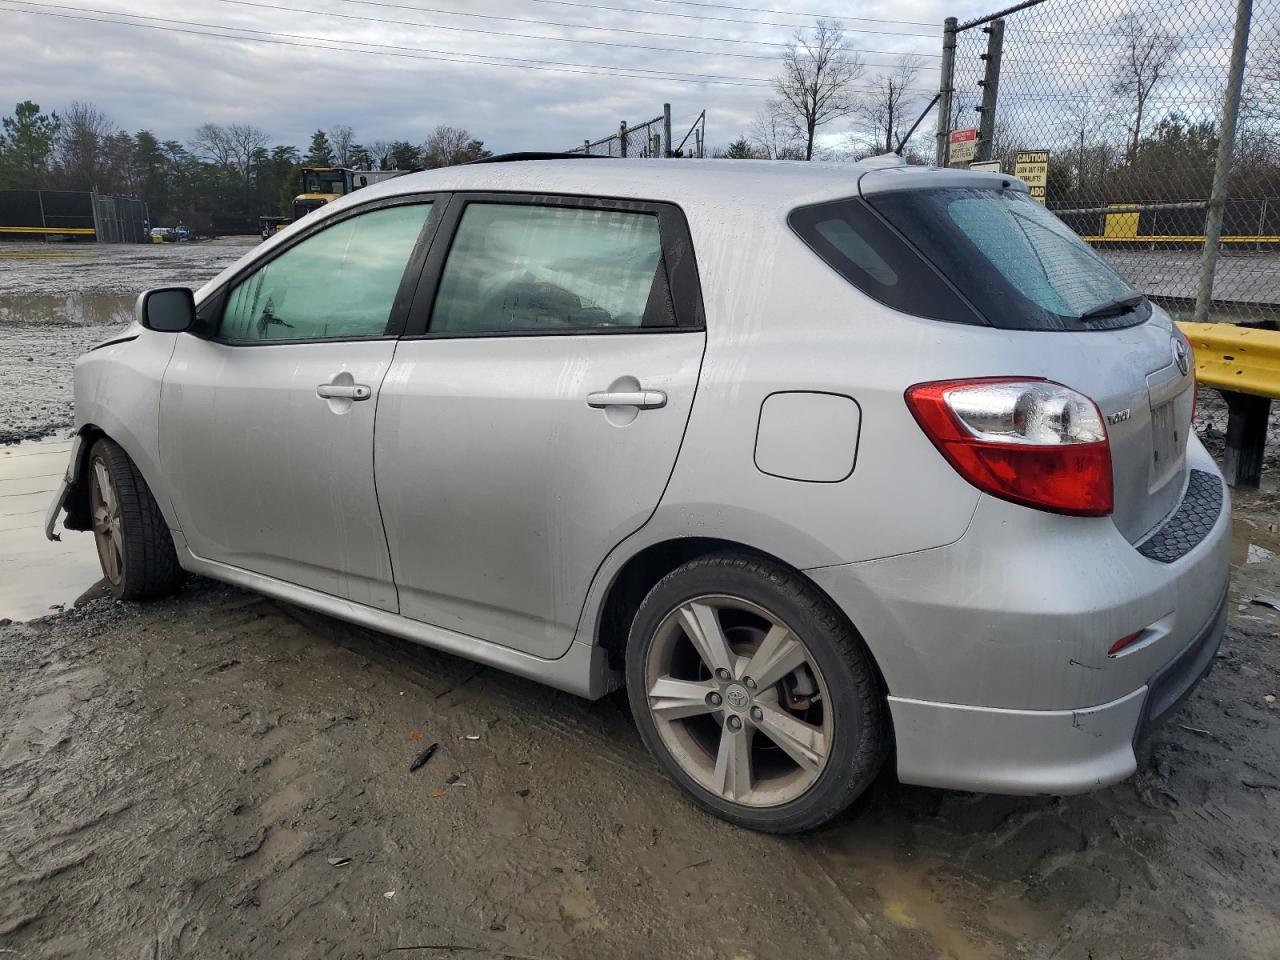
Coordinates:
(223, 177)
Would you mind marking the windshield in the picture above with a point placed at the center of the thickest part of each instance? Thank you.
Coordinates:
(1013, 259)
(323, 181)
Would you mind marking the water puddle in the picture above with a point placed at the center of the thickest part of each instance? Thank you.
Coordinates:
(66, 309)
(36, 575)
(1253, 542)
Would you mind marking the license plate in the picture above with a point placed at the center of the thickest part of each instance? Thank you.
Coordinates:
(1166, 445)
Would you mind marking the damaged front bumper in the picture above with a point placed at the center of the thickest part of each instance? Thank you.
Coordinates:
(64, 489)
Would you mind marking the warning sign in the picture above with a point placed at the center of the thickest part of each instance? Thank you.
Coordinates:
(964, 145)
(1032, 167)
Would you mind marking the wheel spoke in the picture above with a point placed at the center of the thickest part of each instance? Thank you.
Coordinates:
(733, 763)
(702, 626)
(674, 699)
(803, 742)
(104, 486)
(778, 655)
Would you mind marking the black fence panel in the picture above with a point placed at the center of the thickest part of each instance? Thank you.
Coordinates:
(72, 214)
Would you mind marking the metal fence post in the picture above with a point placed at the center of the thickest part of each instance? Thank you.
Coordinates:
(946, 87)
(586, 147)
(1222, 169)
(666, 130)
(622, 138)
(990, 84)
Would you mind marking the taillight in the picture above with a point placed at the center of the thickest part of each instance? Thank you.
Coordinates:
(1029, 441)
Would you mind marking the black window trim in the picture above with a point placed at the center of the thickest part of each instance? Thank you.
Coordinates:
(210, 315)
(677, 257)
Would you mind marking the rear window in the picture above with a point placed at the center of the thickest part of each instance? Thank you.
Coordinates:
(1017, 263)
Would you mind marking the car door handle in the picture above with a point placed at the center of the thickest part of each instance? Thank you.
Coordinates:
(644, 399)
(344, 391)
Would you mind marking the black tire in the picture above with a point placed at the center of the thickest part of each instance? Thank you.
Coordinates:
(860, 738)
(149, 566)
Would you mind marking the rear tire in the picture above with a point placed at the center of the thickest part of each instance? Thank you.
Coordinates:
(780, 752)
(135, 548)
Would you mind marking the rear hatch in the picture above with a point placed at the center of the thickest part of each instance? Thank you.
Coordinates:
(1068, 315)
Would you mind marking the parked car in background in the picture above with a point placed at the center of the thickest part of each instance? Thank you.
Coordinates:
(829, 465)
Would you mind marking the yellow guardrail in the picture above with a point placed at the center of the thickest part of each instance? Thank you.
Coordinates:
(1231, 357)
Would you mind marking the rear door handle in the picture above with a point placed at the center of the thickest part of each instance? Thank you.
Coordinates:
(344, 391)
(644, 399)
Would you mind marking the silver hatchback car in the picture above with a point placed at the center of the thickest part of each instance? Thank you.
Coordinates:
(826, 464)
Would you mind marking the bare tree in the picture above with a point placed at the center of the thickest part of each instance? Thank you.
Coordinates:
(81, 144)
(773, 137)
(886, 108)
(449, 145)
(816, 85)
(342, 138)
(233, 148)
(380, 153)
(1144, 62)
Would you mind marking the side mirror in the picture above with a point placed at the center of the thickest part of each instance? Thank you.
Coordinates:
(167, 309)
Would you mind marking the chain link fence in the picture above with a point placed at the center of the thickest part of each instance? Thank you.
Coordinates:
(1112, 110)
(648, 139)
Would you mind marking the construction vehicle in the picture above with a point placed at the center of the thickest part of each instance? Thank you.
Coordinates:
(321, 185)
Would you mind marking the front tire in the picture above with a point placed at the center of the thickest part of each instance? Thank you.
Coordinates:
(754, 694)
(134, 545)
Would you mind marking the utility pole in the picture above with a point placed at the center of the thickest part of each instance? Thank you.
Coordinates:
(946, 88)
(990, 83)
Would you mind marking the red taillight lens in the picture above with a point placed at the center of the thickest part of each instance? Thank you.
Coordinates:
(1028, 441)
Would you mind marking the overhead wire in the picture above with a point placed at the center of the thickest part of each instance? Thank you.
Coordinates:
(325, 43)
(529, 36)
(234, 32)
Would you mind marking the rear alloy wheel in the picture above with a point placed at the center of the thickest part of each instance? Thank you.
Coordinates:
(754, 694)
(135, 548)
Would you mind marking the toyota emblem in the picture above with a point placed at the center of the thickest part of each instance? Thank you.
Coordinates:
(1181, 356)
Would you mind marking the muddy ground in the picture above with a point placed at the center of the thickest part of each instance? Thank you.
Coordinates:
(188, 778)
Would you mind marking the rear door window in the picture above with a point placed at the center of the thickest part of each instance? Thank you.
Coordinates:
(531, 269)
(1021, 266)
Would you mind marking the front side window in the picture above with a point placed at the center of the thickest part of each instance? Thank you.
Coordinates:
(339, 283)
(521, 268)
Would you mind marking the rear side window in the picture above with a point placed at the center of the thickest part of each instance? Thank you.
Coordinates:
(523, 268)
(863, 249)
(1014, 260)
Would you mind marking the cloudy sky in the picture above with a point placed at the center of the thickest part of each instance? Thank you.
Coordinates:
(520, 74)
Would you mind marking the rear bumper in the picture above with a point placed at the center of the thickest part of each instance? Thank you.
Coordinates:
(994, 649)
(1044, 751)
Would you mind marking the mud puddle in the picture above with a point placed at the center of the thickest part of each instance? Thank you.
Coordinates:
(38, 576)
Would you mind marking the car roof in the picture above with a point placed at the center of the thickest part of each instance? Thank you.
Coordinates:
(770, 183)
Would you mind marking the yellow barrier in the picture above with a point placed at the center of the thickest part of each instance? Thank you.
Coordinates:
(75, 231)
(1230, 357)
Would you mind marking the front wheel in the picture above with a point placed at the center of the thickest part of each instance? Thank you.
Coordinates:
(135, 548)
(754, 694)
